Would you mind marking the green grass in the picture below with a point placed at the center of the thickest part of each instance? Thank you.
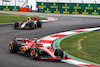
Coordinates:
(11, 18)
(85, 46)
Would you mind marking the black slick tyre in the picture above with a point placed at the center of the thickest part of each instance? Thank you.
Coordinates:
(59, 52)
(32, 25)
(13, 47)
(34, 53)
(16, 24)
(39, 24)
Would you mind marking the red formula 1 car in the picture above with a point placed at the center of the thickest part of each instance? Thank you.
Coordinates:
(28, 47)
(30, 23)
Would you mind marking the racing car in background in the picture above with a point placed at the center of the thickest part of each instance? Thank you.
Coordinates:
(30, 23)
(30, 47)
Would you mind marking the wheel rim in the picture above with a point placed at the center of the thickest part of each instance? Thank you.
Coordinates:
(10, 47)
(32, 54)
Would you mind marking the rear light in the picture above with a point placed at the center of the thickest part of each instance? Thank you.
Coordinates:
(36, 18)
(33, 18)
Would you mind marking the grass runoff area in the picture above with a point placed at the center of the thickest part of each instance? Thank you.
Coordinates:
(11, 18)
(85, 46)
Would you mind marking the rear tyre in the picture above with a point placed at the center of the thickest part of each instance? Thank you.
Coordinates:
(39, 24)
(16, 24)
(13, 47)
(34, 53)
(59, 52)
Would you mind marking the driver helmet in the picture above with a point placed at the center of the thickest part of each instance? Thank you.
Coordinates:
(29, 19)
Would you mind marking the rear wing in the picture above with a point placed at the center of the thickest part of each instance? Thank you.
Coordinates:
(22, 39)
(35, 19)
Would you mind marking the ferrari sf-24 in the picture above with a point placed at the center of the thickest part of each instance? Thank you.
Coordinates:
(30, 47)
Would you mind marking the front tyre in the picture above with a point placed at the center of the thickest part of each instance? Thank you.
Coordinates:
(32, 25)
(59, 52)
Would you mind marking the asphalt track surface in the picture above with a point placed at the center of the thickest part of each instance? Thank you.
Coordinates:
(64, 23)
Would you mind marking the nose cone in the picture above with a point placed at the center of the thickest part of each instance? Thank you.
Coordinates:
(22, 26)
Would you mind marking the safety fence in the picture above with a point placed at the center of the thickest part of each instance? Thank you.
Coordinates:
(69, 8)
(9, 8)
(14, 8)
